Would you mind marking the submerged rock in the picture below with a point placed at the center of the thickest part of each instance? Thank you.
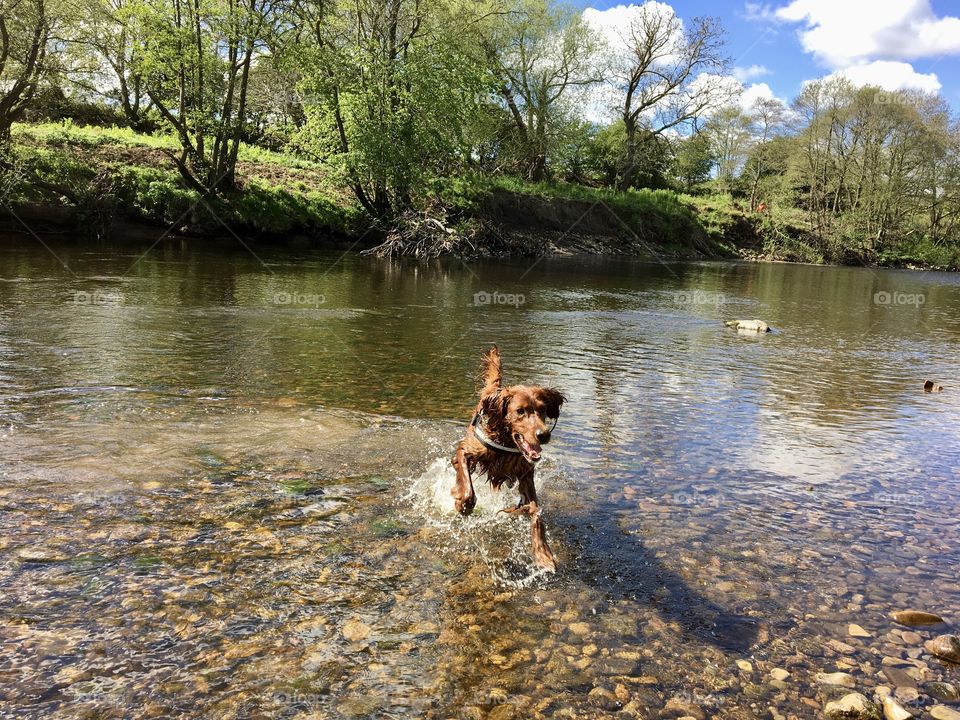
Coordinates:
(855, 630)
(841, 679)
(892, 710)
(779, 674)
(679, 708)
(852, 707)
(942, 712)
(604, 699)
(946, 647)
(942, 691)
(916, 618)
(756, 326)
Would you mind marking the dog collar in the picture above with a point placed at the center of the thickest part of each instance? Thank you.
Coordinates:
(481, 433)
(485, 439)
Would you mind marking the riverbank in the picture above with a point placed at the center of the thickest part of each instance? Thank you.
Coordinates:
(103, 181)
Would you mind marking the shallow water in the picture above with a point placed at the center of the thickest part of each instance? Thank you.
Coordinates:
(224, 485)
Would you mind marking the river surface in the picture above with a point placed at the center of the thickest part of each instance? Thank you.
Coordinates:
(224, 486)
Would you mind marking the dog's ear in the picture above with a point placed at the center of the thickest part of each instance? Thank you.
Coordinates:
(495, 404)
(552, 400)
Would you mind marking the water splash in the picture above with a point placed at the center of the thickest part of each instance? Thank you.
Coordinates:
(500, 540)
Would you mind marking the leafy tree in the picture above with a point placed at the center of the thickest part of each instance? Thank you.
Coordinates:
(194, 61)
(728, 131)
(105, 62)
(540, 53)
(767, 122)
(657, 74)
(27, 30)
(693, 160)
(394, 85)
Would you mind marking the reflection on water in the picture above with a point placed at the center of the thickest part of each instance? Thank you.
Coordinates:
(224, 487)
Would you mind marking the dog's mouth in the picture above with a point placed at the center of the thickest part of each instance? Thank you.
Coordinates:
(530, 452)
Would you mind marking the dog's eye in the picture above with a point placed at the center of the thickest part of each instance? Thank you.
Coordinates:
(520, 411)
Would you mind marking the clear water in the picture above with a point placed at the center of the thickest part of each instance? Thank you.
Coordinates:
(224, 485)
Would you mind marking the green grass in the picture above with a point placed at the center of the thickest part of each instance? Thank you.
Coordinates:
(278, 193)
(659, 218)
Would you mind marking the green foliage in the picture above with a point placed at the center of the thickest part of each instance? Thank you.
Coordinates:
(693, 160)
(393, 125)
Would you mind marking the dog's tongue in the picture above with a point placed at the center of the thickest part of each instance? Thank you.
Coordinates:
(531, 451)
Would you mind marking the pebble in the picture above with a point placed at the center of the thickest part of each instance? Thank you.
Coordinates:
(942, 691)
(892, 710)
(851, 707)
(911, 638)
(899, 677)
(942, 712)
(779, 674)
(604, 699)
(579, 628)
(355, 631)
(841, 679)
(745, 666)
(855, 630)
(680, 708)
(842, 647)
(944, 646)
(916, 618)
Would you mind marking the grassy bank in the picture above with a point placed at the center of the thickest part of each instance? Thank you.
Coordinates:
(100, 176)
(127, 176)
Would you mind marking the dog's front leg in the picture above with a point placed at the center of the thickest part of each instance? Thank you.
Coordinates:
(464, 498)
(538, 531)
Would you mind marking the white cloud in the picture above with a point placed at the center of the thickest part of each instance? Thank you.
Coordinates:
(890, 75)
(842, 33)
(614, 23)
(756, 91)
(745, 74)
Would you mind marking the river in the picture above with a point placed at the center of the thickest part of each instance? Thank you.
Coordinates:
(224, 485)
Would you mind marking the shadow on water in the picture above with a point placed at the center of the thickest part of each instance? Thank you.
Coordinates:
(622, 568)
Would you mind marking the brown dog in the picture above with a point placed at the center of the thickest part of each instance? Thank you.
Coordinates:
(504, 441)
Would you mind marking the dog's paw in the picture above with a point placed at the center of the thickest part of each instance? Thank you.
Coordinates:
(465, 507)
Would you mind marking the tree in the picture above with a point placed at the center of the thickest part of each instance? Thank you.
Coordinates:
(728, 130)
(767, 119)
(693, 160)
(106, 61)
(26, 32)
(195, 62)
(659, 75)
(540, 53)
(393, 85)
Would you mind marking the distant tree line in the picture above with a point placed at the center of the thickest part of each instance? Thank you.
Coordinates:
(393, 93)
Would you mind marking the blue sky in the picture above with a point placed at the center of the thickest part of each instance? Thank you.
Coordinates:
(781, 43)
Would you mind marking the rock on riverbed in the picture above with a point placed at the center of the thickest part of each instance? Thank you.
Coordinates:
(945, 646)
(852, 707)
(916, 618)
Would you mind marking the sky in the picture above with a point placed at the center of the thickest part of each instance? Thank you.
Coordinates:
(776, 46)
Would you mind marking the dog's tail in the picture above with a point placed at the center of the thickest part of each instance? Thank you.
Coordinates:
(490, 374)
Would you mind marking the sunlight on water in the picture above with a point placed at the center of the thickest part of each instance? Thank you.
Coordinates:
(215, 503)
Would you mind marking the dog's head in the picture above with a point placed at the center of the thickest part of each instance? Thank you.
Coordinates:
(524, 414)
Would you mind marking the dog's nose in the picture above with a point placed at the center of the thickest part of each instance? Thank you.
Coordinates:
(543, 436)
